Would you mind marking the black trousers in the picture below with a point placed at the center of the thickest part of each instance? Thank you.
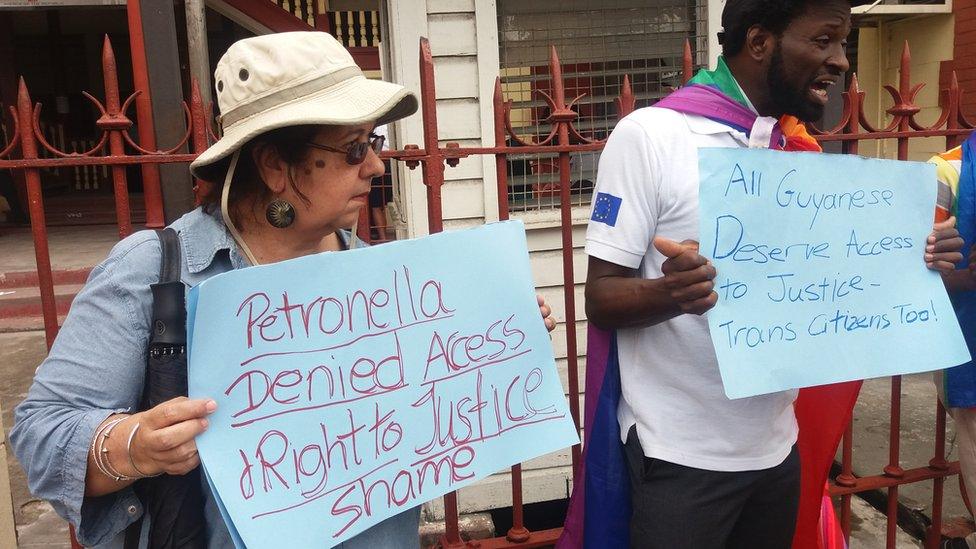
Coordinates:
(676, 506)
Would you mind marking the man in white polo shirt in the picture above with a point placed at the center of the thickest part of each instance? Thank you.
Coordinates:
(705, 471)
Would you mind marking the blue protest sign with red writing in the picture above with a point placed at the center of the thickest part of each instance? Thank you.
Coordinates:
(820, 268)
(352, 386)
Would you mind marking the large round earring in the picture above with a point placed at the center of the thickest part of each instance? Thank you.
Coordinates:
(280, 213)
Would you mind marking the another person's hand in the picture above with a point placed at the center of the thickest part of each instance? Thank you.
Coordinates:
(943, 249)
(546, 313)
(165, 440)
(688, 276)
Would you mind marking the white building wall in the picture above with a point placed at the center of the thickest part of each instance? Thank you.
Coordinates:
(715, 8)
(464, 45)
(464, 42)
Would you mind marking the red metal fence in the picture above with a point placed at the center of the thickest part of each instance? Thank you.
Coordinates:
(117, 149)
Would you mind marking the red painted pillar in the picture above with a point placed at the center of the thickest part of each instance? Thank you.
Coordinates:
(147, 136)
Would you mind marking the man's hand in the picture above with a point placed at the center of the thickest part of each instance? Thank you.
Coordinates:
(688, 277)
(943, 248)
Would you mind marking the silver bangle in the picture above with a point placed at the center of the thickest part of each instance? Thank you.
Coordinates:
(94, 451)
(97, 446)
(128, 453)
(106, 461)
(101, 458)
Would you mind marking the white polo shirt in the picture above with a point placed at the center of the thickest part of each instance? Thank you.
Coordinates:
(647, 186)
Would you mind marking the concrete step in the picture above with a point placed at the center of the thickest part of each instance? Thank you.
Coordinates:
(20, 297)
(25, 324)
(21, 309)
(26, 279)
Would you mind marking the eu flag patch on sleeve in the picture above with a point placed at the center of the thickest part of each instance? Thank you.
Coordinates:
(605, 209)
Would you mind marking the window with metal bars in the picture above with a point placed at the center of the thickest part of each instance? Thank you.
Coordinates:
(598, 42)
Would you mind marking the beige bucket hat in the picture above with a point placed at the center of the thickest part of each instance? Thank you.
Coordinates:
(289, 79)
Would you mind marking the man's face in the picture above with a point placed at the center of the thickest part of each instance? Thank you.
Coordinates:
(808, 59)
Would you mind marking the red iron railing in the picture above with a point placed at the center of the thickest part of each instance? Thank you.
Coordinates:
(853, 128)
(116, 149)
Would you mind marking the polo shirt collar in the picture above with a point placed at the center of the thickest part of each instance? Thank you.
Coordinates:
(706, 126)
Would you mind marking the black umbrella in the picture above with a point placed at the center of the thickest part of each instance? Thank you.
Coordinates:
(174, 504)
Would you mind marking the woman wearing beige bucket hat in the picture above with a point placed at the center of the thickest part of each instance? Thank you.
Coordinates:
(292, 170)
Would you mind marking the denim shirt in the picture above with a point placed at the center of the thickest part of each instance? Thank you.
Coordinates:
(96, 368)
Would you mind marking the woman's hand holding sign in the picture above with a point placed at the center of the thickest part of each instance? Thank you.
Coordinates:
(159, 440)
(165, 441)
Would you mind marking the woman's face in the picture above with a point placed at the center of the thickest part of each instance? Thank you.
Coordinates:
(334, 190)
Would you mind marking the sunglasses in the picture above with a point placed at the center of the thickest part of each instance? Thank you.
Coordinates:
(355, 153)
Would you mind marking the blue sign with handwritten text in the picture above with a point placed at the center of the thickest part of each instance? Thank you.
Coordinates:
(353, 386)
(821, 272)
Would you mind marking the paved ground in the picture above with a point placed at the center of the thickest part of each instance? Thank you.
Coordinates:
(871, 421)
(70, 247)
(37, 525)
(868, 529)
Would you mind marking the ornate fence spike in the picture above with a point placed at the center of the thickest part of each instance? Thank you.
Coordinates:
(905, 69)
(561, 113)
(854, 106)
(501, 159)
(626, 101)
(904, 108)
(35, 205)
(115, 123)
(688, 64)
(498, 109)
(110, 76)
(24, 111)
(858, 116)
(556, 80)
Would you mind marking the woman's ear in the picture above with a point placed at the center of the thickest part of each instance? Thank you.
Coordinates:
(272, 169)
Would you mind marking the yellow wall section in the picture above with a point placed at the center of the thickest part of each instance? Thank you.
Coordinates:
(879, 58)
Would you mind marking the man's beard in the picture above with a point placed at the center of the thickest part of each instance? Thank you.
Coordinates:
(786, 98)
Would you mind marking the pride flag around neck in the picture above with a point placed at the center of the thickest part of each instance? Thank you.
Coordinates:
(599, 509)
